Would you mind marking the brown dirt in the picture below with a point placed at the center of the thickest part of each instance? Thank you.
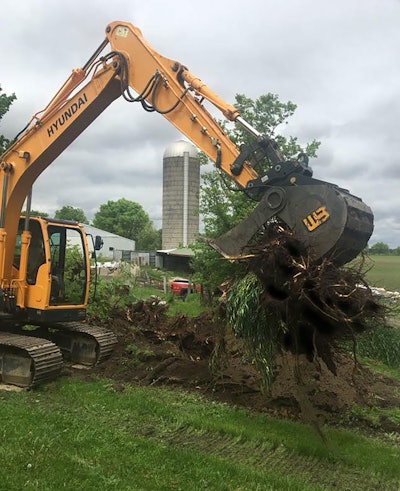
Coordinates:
(201, 354)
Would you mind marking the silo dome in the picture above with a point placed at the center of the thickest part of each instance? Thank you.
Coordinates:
(178, 149)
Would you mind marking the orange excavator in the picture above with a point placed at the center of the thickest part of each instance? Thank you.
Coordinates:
(45, 263)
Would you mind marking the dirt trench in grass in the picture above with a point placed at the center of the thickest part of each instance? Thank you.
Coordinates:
(201, 354)
(310, 309)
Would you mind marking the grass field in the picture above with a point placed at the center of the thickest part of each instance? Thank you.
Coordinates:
(384, 271)
(95, 435)
(75, 434)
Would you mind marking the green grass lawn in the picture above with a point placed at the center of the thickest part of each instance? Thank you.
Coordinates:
(190, 305)
(384, 271)
(74, 434)
(94, 435)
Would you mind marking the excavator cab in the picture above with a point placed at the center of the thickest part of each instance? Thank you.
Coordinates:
(52, 299)
(57, 269)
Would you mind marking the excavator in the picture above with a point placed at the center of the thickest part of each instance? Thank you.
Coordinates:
(45, 263)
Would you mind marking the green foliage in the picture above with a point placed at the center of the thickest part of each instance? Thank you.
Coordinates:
(110, 294)
(35, 213)
(190, 306)
(122, 217)
(222, 204)
(76, 434)
(124, 289)
(74, 274)
(211, 269)
(379, 248)
(382, 344)
(251, 322)
(266, 114)
(127, 219)
(68, 212)
(149, 239)
(5, 103)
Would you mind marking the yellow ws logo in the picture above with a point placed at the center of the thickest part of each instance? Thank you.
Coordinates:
(316, 218)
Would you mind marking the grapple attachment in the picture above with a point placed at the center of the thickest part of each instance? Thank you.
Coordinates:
(328, 220)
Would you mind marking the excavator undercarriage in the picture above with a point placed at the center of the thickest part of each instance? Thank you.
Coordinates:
(29, 357)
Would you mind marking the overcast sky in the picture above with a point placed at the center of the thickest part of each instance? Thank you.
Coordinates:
(338, 61)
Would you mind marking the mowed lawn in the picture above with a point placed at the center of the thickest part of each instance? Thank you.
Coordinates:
(94, 435)
(384, 271)
(76, 434)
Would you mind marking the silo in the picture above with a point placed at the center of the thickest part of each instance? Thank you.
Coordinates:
(181, 186)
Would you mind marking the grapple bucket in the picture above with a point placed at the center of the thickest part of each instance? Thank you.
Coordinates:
(328, 220)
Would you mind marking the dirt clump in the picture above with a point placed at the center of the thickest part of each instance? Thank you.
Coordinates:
(289, 319)
(312, 305)
(202, 354)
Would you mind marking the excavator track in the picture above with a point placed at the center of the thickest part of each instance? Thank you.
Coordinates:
(27, 361)
(81, 343)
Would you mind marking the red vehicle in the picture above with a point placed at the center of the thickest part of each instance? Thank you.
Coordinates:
(182, 286)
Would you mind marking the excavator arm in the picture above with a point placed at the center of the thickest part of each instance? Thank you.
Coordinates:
(52, 296)
(326, 217)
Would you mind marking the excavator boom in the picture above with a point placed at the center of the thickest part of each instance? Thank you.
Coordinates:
(136, 71)
(327, 219)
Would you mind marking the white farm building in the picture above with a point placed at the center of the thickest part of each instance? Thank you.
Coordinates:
(114, 247)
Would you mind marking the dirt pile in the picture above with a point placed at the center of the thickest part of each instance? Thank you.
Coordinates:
(315, 305)
(201, 354)
(289, 317)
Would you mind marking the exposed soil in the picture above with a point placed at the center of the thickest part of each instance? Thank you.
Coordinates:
(201, 354)
(295, 315)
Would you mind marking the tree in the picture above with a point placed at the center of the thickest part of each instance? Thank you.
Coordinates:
(150, 239)
(396, 251)
(68, 212)
(35, 213)
(380, 248)
(222, 203)
(125, 218)
(5, 103)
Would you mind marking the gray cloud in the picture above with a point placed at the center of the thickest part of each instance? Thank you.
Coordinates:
(338, 61)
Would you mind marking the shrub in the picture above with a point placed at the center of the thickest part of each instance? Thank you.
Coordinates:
(382, 344)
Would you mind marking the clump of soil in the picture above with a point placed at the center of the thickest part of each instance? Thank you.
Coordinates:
(304, 311)
(317, 304)
(202, 354)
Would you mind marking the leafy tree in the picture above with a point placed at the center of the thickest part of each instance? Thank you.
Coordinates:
(68, 212)
(222, 204)
(35, 213)
(150, 239)
(380, 248)
(396, 251)
(5, 103)
(125, 218)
